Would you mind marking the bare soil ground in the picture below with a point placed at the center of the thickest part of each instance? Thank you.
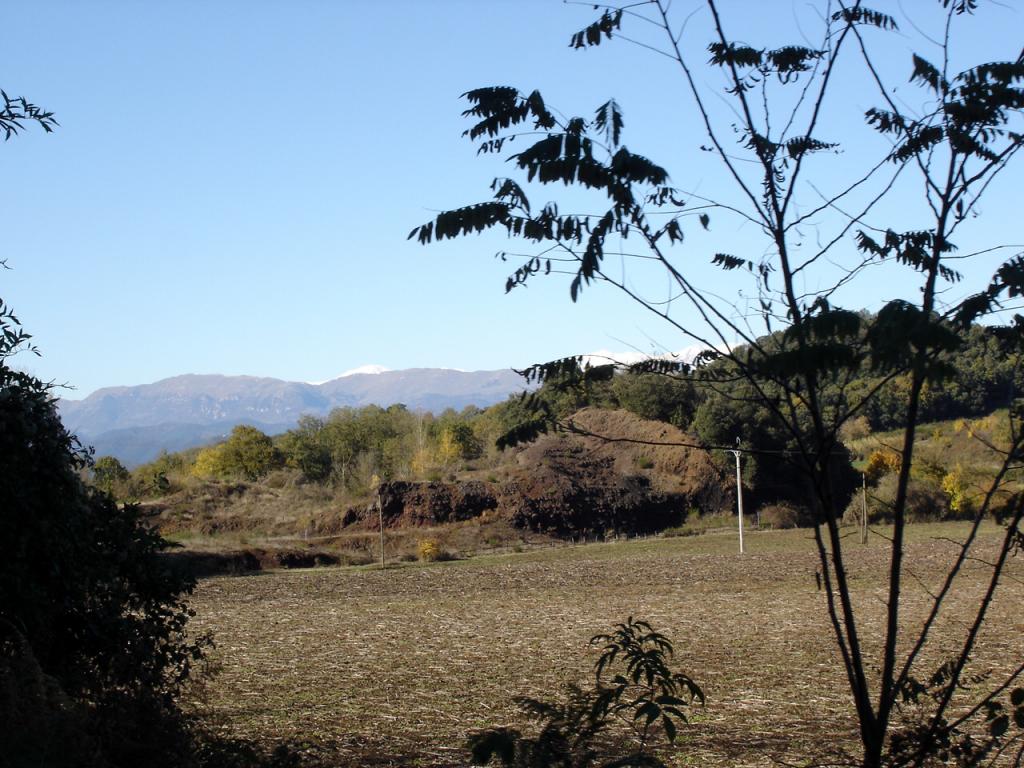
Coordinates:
(397, 667)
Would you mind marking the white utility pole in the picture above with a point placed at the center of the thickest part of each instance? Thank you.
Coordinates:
(739, 491)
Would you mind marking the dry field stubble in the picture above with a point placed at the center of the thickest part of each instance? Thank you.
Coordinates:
(396, 667)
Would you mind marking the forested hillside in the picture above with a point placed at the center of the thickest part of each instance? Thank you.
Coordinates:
(318, 475)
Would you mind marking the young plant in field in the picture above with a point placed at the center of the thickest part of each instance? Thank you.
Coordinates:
(636, 705)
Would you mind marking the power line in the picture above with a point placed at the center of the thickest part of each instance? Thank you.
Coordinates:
(574, 429)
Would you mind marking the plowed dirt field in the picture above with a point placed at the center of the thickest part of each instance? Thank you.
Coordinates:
(396, 667)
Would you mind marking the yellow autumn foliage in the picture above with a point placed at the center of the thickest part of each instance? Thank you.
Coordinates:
(429, 550)
(881, 462)
(209, 463)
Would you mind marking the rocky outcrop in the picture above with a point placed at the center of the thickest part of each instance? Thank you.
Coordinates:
(574, 494)
(547, 501)
(432, 503)
(572, 485)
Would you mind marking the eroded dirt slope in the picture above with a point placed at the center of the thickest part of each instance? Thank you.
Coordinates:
(619, 474)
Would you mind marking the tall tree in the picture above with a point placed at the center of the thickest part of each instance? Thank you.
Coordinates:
(826, 225)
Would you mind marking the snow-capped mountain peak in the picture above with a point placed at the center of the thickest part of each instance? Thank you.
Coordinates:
(364, 369)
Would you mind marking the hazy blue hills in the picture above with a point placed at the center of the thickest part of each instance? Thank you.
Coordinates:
(136, 423)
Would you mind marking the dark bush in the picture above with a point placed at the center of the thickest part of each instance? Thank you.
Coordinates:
(44, 726)
(87, 606)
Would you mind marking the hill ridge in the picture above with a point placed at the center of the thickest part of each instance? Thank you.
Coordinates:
(136, 422)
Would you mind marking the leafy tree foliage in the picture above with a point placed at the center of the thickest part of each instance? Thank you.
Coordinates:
(248, 454)
(85, 599)
(305, 450)
(16, 113)
(457, 441)
(110, 475)
(657, 397)
(352, 445)
(165, 474)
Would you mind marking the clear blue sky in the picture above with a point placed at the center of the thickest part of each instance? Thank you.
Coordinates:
(232, 183)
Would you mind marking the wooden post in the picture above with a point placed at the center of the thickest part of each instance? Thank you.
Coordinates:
(375, 482)
(380, 511)
(864, 508)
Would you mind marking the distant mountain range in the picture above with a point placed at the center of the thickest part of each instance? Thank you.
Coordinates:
(136, 423)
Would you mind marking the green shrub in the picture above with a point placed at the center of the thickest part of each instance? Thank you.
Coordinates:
(44, 726)
(635, 707)
(110, 476)
(248, 454)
